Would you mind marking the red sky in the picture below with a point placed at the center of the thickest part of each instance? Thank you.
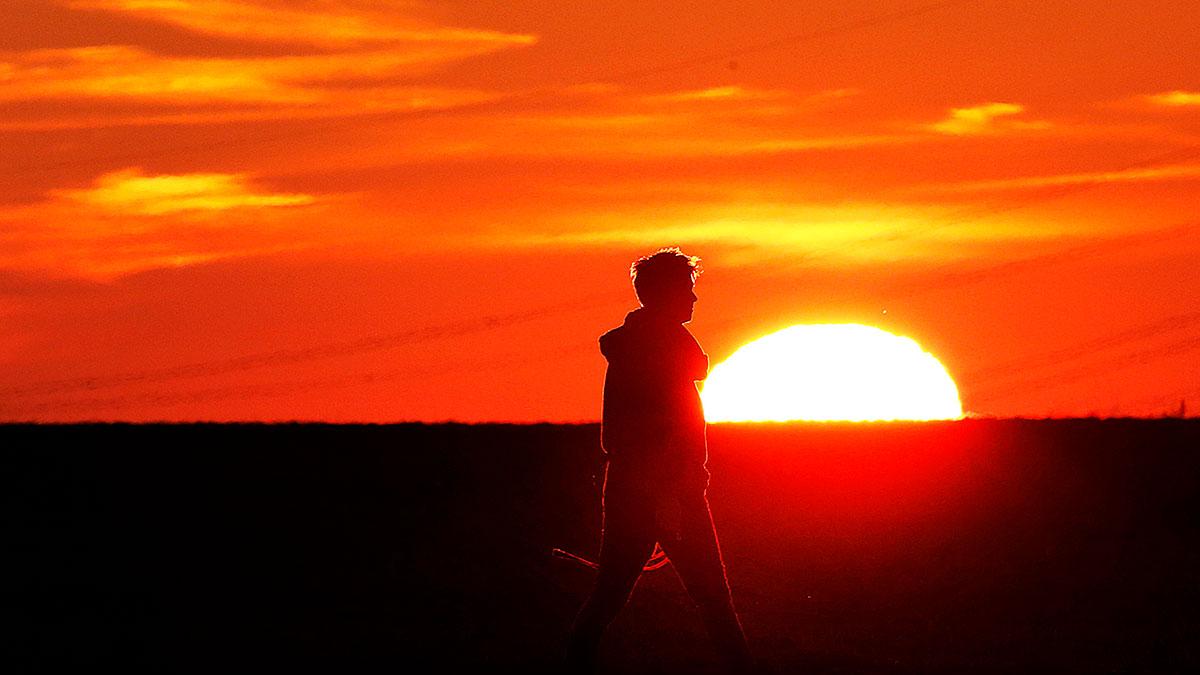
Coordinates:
(377, 211)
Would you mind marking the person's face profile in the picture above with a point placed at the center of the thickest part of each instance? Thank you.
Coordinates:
(677, 299)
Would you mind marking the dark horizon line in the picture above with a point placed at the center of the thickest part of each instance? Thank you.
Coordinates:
(508, 423)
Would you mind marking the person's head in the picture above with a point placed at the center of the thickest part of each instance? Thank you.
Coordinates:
(663, 282)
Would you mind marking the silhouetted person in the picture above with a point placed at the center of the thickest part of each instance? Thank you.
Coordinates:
(653, 435)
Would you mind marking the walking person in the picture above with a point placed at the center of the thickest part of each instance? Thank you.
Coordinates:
(653, 435)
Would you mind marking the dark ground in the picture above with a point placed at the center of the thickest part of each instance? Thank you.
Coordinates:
(973, 546)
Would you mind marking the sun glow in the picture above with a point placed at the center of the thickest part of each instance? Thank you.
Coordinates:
(830, 372)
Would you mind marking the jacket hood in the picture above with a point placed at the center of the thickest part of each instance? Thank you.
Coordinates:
(640, 328)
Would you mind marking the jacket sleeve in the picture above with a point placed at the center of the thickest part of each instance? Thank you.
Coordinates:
(694, 360)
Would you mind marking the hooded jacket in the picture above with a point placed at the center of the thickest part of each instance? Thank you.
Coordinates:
(653, 421)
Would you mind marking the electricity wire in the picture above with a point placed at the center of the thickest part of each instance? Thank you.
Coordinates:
(283, 357)
(255, 139)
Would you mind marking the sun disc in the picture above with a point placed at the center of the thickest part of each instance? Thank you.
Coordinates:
(830, 372)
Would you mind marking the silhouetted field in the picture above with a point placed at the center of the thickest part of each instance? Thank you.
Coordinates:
(979, 546)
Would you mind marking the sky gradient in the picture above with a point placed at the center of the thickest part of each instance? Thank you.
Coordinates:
(370, 211)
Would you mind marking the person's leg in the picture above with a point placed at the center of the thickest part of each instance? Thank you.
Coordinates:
(627, 542)
(696, 556)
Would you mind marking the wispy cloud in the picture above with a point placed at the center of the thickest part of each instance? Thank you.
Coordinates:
(767, 100)
(639, 136)
(1175, 99)
(132, 192)
(336, 60)
(324, 24)
(321, 103)
(987, 118)
(1139, 175)
(125, 72)
(128, 221)
(844, 235)
(720, 121)
(726, 93)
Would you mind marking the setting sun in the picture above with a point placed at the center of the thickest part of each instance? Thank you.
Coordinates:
(830, 372)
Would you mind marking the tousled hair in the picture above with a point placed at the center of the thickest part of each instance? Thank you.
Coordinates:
(651, 273)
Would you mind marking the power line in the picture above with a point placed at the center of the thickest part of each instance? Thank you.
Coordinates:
(1074, 253)
(518, 97)
(389, 340)
(279, 357)
(1121, 362)
(384, 341)
(381, 342)
(1057, 357)
(972, 214)
(286, 388)
(777, 43)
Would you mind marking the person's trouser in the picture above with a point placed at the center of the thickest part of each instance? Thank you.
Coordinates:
(635, 517)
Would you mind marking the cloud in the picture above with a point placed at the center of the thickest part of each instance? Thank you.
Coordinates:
(763, 101)
(987, 118)
(721, 121)
(131, 192)
(636, 136)
(843, 235)
(127, 221)
(336, 60)
(1175, 99)
(727, 93)
(1148, 174)
(331, 25)
(65, 241)
(320, 104)
(125, 72)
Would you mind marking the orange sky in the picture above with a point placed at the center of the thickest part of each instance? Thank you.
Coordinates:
(383, 211)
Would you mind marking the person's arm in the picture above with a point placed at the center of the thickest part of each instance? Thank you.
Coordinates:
(693, 359)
